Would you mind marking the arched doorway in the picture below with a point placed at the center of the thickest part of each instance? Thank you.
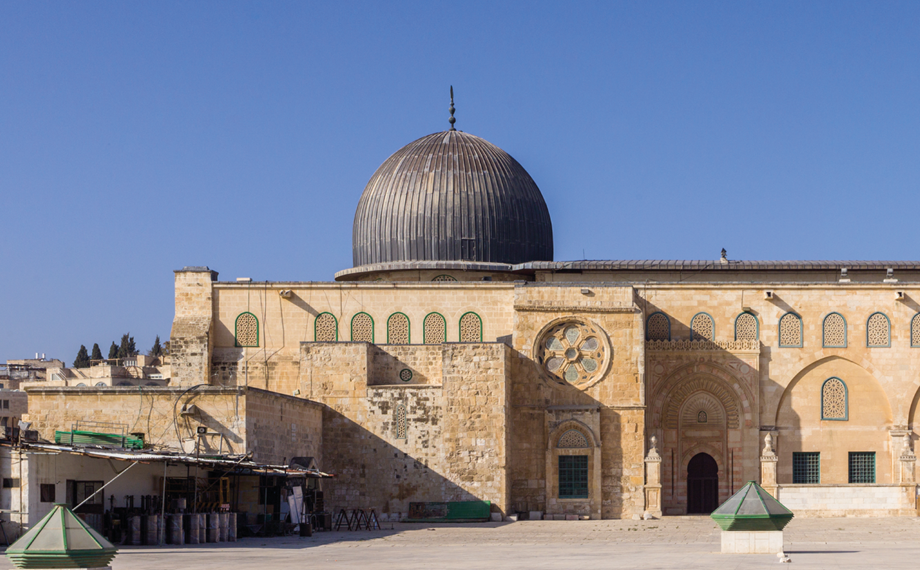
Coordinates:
(702, 484)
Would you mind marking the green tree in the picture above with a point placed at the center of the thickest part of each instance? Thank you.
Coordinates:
(113, 351)
(97, 354)
(82, 360)
(127, 347)
(157, 349)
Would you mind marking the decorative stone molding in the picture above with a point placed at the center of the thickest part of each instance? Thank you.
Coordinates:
(703, 345)
(568, 306)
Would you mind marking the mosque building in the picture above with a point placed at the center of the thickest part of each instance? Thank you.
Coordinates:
(457, 360)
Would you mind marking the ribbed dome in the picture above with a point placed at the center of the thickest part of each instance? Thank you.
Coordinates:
(451, 196)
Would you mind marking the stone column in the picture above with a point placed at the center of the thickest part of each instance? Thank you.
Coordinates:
(907, 462)
(653, 480)
(768, 461)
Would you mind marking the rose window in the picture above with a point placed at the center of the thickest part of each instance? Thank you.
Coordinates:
(573, 352)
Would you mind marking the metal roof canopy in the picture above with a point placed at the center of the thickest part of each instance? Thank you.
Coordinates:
(236, 464)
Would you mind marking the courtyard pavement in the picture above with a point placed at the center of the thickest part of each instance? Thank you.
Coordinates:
(679, 542)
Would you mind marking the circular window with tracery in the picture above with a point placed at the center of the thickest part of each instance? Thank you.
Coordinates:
(574, 352)
(405, 375)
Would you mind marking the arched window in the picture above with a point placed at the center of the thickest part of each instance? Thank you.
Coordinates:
(470, 328)
(362, 328)
(702, 327)
(915, 331)
(746, 327)
(398, 329)
(572, 439)
(834, 331)
(434, 329)
(834, 400)
(326, 328)
(790, 331)
(658, 327)
(401, 421)
(247, 330)
(878, 331)
(444, 279)
(702, 418)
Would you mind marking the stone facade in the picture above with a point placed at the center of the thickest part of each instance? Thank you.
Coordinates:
(709, 375)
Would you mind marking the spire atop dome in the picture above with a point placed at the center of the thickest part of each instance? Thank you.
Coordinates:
(452, 120)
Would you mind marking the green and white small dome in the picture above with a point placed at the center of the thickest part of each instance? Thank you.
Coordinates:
(61, 540)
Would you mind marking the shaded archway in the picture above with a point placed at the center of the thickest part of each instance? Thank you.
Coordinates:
(702, 484)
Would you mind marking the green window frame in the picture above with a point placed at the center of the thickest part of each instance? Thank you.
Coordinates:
(426, 329)
(408, 327)
(756, 324)
(862, 467)
(573, 476)
(335, 322)
(236, 330)
(779, 331)
(806, 467)
(886, 344)
(460, 326)
(656, 315)
(353, 325)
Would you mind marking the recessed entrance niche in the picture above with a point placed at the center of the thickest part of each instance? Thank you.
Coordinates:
(702, 484)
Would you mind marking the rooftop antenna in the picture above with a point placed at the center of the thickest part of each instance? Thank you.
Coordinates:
(452, 120)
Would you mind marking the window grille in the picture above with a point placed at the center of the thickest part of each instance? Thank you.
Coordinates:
(573, 476)
(470, 328)
(834, 400)
(658, 327)
(401, 422)
(878, 331)
(405, 375)
(790, 330)
(572, 439)
(915, 330)
(862, 467)
(444, 279)
(746, 327)
(806, 467)
(326, 328)
(247, 330)
(398, 329)
(434, 329)
(702, 327)
(702, 417)
(362, 328)
(834, 331)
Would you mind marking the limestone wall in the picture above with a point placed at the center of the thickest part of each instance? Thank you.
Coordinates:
(279, 428)
(849, 500)
(618, 393)
(882, 387)
(274, 427)
(450, 446)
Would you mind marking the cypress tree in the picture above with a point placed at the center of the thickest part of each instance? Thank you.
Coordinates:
(82, 360)
(157, 350)
(113, 351)
(97, 354)
(127, 347)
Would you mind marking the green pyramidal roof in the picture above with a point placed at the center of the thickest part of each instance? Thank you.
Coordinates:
(752, 508)
(61, 540)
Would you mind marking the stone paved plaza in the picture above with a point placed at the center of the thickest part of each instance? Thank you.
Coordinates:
(668, 543)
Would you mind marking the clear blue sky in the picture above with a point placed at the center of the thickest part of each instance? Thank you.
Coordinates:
(139, 137)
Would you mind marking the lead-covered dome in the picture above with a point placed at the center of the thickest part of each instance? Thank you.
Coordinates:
(451, 196)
